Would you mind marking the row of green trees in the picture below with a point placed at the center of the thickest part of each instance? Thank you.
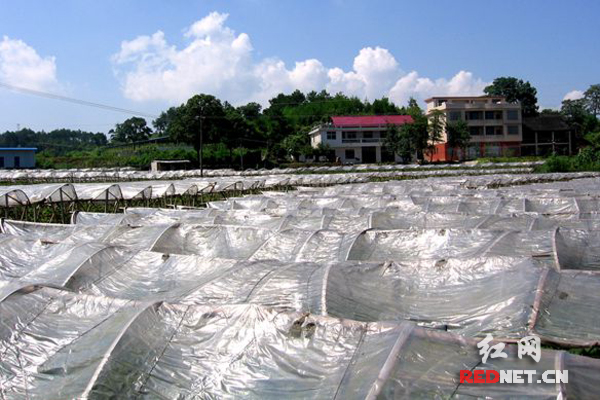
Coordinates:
(278, 131)
(56, 142)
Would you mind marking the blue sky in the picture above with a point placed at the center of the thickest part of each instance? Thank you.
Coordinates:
(249, 50)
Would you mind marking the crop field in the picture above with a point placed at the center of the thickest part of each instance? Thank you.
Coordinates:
(344, 285)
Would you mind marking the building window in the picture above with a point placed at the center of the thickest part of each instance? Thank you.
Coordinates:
(476, 130)
(1, 162)
(474, 115)
(331, 135)
(512, 129)
(455, 116)
(512, 115)
(17, 162)
(348, 135)
(368, 135)
(493, 130)
(441, 102)
(349, 154)
(493, 115)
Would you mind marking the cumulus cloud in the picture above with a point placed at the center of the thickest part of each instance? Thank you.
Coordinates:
(378, 68)
(21, 65)
(573, 95)
(412, 85)
(218, 61)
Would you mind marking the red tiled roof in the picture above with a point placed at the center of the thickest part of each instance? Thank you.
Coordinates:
(371, 120)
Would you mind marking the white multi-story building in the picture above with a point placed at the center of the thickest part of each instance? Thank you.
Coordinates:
(358, 139)
(495, 125)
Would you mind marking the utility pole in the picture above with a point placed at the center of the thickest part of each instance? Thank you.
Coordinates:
(241, 154)
(200, 146)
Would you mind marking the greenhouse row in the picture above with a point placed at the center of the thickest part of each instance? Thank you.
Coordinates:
(363, 290)
(127, 173)
(20, 195)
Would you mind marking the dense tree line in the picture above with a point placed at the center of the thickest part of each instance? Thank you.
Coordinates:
(279, 131)
(58, 141)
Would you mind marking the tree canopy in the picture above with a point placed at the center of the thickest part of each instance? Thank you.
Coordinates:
(435, 128)
(515, 90)
(134, 129)
(592, 99)
(400, 141)
(578, 116)
(458, 136)
(201, 111)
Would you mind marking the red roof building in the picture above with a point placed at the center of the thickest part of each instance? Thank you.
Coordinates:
(358, 138)
(370, 120)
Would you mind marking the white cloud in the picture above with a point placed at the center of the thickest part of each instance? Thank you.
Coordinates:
(412, 85)
(573, 95)
(378, 68)
(218, 61)
(21, 65)
(308, 75)
(349, 83)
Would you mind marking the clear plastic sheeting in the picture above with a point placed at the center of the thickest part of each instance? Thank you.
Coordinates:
(388, 218)
(471, 296)
(50, 193)
(366, 290)
(567, 305)
(10, 197)
(18, 257)
(91, 174)
(52, 342)
(167, 186)
(106, 192)
(127, 349)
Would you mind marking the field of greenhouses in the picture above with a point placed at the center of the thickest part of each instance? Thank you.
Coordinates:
(340, 286)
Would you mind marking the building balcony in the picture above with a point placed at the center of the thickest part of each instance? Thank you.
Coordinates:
(360, 140)
(476, 106)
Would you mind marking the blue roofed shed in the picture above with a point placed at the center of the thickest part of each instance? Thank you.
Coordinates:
(17, 157)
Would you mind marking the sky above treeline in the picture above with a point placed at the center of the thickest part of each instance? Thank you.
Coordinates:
(152, 54)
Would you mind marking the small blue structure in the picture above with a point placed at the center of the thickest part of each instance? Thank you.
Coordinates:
(17, 157)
